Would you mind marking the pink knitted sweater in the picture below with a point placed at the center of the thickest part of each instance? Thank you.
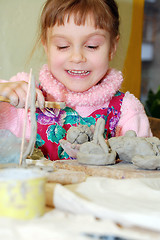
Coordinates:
(132, 111)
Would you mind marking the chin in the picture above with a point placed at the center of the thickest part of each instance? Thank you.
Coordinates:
(74, 87)
(78, 90)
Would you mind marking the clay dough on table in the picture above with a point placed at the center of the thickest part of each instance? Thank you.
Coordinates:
(130, 145)
(142, 152)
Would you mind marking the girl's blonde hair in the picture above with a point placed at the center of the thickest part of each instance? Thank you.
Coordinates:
(105, 14)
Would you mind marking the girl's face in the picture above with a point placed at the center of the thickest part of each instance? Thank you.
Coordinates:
(78, 56)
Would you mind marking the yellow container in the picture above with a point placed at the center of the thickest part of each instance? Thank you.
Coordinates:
(22, 193)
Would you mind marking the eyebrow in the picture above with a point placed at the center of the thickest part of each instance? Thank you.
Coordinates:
(87, 36)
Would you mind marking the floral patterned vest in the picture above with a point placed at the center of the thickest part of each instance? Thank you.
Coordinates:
(52, 125)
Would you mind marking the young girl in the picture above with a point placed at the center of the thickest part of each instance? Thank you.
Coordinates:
(79, 39)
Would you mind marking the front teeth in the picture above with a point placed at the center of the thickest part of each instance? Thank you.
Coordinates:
(78, 72)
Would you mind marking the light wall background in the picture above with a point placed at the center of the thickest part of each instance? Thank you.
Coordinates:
(18, 31)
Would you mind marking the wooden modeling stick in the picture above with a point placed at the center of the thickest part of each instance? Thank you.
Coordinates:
(58, 105)
(47, 104)
(4, 99)
(33, 134)
(25, 118)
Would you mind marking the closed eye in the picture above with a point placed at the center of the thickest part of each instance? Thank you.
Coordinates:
(92, 47)
(62, 47)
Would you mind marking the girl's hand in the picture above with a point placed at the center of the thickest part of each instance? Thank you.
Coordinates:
(16, 92)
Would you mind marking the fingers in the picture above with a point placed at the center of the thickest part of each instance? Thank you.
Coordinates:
(16, 92)
(21, 92)
(40, 98)
(18, 96)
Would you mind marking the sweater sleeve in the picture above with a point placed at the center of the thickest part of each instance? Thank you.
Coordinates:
(12, 118)
(22, 76)
(133, 117)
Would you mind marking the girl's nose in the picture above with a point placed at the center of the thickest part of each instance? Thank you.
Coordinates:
(77, 56)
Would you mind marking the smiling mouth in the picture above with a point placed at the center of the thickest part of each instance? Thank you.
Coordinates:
(78, 72)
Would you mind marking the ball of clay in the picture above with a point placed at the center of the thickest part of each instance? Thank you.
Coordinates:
(80, 134)
(130, 133)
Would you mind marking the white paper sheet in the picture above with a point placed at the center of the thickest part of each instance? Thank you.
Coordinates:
(130, 202)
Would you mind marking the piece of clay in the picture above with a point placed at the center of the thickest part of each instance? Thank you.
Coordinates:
(70, 148)
(87, 147)
(147, 162)
(80, 134)
(36, 154)
(130, 145)
(98, 137)
(97, 151)
(155, 144)
(142, 152)
(75, 137)
(93, 154)
(10, 146)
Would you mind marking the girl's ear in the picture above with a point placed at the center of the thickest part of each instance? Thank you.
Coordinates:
(114, 48)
